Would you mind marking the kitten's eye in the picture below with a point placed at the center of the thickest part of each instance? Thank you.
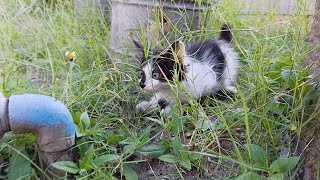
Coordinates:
(155, 75)
(140, 74)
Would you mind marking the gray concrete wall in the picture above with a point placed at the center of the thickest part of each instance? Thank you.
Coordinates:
(245, 6)
(278, 6)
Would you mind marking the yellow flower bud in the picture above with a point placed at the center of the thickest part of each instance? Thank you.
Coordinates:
(70, 56)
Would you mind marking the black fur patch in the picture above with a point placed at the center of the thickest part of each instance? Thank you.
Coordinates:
(164, 64)
(210, 52)
(142, 76)
(225, 33)
(162, 104)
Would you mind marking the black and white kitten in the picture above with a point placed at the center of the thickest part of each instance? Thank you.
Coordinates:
(201, 68)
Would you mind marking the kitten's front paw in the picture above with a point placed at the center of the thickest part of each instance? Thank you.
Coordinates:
(231, 89)
(142, 106)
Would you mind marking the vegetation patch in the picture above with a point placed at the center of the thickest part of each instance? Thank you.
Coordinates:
(250, 135)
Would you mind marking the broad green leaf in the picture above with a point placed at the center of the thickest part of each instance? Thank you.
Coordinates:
(92, 132)
(289, 76)
(293, 126)
(169, 125)
(129, 173)
(249, 176)
(87, 160)
(145, 135)
(307, 88)
(83, 146)
(305, 72)
(159, 121)
(20, 167)
(258, 154)
(67, 166)
(93, 122)
(153, 150)
(6, 137)
(186, 164)
(169, 158)
(285, 165)
(173, 116)
(166, 144)
(278, 176)
(101, 160)
(311, 95)
(85, 118)
(129, 149)
(177, 147)
(76, 117)
(79, 132)
(114, 139)
(129, 140)
(194, 157)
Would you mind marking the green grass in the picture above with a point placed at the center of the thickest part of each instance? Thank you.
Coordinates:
(274, 95)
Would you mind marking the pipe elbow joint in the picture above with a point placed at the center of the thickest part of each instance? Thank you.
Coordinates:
(44, 116)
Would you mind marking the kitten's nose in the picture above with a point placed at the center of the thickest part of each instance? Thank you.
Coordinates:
(142, 85)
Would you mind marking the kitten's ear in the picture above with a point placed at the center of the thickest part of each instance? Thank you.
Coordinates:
(179, 49)
(138, 45)
(140, 55)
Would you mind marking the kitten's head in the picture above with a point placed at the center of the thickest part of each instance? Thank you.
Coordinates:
(158, 67)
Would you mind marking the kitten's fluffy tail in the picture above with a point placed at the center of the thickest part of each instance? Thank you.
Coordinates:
(225, 33)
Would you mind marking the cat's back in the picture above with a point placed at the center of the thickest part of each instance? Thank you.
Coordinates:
(205, 51)
(208, 52)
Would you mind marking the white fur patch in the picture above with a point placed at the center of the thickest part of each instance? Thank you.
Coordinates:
(229, 75)
(152, 85)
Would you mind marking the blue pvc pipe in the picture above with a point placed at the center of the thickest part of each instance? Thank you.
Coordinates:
(44, 116)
